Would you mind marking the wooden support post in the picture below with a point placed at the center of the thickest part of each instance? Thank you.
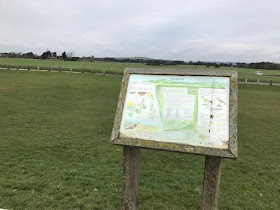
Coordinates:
(131, 165)
(211, 183)
(38, 68)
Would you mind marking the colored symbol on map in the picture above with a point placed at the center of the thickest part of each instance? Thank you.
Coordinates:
(221, 101)
(150, 95)
(205, 100)
(131, 127)
(142, 93)
(203, 136)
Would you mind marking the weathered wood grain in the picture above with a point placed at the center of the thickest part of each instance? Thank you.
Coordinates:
(131, 165)
(211, 183)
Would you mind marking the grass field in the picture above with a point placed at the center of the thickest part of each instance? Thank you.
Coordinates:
(117, 67)
(55, 150)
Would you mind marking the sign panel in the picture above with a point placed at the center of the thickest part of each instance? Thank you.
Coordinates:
(186, 111)
(190, 110)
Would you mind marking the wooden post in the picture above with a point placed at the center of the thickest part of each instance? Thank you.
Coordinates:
(38, 68)
(246, 80)
(131, 165)
(211, 183)
(258, 81)
(70, 69)
(17, 67)
(103, 72)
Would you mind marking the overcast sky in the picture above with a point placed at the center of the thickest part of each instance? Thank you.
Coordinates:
(189, 30)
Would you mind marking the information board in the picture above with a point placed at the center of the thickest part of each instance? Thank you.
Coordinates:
(182, 109)
(189, 112)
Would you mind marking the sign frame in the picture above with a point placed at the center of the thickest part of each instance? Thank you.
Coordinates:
(231, 152)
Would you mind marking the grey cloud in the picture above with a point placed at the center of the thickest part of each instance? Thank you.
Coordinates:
(187, 30)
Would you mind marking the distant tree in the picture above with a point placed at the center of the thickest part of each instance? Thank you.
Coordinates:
(28, 55)
(74, 59)
(46, 55)
(12, 55)
(216, 65)
(54, 55)
(70, 55)
(64, 56)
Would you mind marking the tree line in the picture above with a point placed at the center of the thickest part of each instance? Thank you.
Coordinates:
(69, 56)
(45, 55)
(260, 65)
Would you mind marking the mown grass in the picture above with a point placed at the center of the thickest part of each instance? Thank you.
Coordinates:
(55, 150)
(118, 68)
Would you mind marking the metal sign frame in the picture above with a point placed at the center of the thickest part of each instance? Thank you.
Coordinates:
(231, 152)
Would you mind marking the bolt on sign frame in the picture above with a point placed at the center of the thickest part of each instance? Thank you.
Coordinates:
(180, 93)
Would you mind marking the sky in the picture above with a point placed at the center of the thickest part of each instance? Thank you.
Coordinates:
(188, 30)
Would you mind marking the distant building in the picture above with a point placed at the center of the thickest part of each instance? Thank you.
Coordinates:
(258, 73)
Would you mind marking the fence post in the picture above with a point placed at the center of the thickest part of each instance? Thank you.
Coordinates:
(258, 81)
(103, 72)
(38, 68)
(246, 80)
(28, 68)
(49, 68)
(17, 67)
(70, 69)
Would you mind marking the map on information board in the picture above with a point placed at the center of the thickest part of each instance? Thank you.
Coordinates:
(192, 110)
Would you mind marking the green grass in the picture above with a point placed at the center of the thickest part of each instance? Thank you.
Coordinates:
(55, 150)
(117, 67)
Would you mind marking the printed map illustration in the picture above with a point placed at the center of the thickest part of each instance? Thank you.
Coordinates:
(192, 110)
